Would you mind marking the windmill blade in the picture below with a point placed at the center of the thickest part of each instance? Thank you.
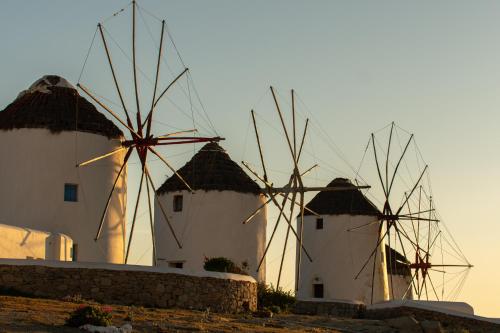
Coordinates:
(136, 85)
(176, 133)
(261, 154)
(134, 218)
(379, 241)
(162, 208)
(378, 168)
(166, 89)
(271, 189)
(95, 159)
(274, 229)
(397, 165)
(171, 168)
(412, 190)
(387, 159)
(117, 86)
(160, 49)
(95, 99)
(153, 238)
(256, 212)
(363, 225)
(301, 233)
(292, 206)
(125, 160)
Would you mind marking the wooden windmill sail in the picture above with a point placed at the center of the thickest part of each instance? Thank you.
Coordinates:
(290, 195)
(141, 138)
(412, 224)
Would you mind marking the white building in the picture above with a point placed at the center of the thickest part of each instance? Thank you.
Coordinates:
(339, 254)
(24, 243)
(208, 222)
(44, 133)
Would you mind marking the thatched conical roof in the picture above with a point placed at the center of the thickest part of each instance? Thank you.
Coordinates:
(211, 169)
(351, 201)
(53, 103)
(397, 264)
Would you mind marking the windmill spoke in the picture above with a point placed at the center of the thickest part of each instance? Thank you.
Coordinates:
(127, 155)
(162, 208)
(160, 49)
(170, 167)
(301, 232)
(166, 89)
(261, 154)
(256, 212)
(292, 206)
(136, 87)
(95, 159)
(129, 127)
(378, 168)
(176, 133)
(379, 241)
(153, 239)
(412, 190)
(387, 159)
(134, 218)
(397, 165)
(363, 225)
(432, 286)
(275, 227)
(114, 75)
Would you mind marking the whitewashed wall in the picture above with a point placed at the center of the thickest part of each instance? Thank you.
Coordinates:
(24, 243)
(210, 225)
(401, 285)
(338, 255)
(35, 166)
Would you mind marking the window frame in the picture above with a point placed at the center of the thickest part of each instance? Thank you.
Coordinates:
(178, 203)
(320, 223)
(70, 192)
(318, 285)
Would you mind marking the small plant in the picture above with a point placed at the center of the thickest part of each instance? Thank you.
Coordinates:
(90, 314)
(221, 264)
(276, 300)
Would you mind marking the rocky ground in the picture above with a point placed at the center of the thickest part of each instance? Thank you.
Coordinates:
(20, 314)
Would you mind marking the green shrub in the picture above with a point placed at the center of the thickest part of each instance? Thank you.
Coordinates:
(276, 300)
(90, 314)
(221, 264)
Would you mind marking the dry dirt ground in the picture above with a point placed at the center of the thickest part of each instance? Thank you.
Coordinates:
(20, 314)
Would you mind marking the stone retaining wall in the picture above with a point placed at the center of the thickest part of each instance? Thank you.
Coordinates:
(336, 309)
(132, 287)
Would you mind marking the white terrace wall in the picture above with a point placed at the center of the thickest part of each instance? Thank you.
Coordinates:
(24, 243)
(130, 285)
(36, 164)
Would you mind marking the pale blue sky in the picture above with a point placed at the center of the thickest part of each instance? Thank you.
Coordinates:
(432, 67)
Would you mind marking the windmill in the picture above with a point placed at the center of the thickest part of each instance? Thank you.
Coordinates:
(285, 197)
(141, 138)
(413, 221)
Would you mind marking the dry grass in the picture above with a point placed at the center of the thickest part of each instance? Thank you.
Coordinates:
(20, 314)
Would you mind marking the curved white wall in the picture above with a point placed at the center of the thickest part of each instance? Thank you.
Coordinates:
(338, 256)
(210, 225)
(36, 164)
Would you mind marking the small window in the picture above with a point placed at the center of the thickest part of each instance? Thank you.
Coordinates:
(177, 203)
(319, 223)
(176, 264)
(318, 290)
(74, 252)
(71, 192)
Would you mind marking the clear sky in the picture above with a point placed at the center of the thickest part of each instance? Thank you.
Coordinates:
(432, 67)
